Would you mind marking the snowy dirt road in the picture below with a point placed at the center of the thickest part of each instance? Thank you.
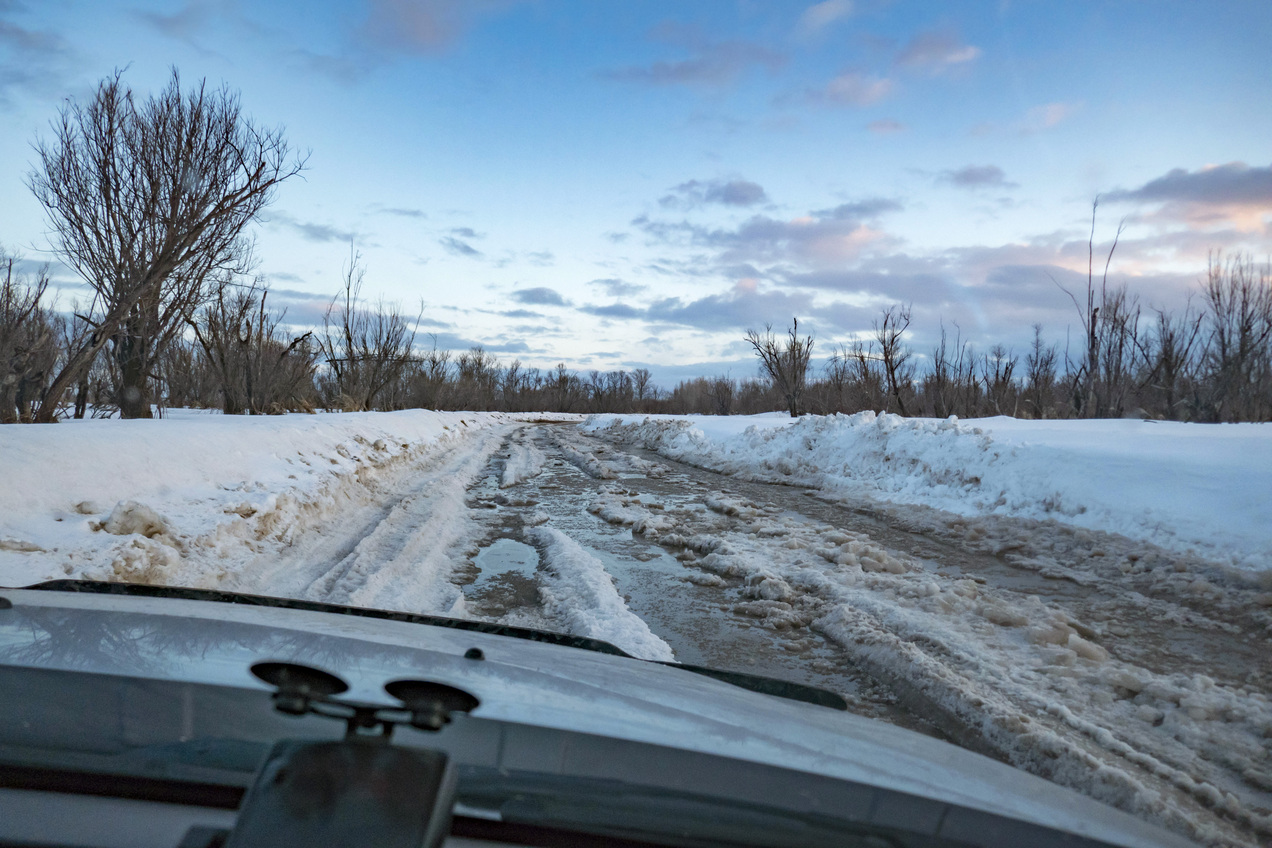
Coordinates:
(999, 635)
(1132, 674)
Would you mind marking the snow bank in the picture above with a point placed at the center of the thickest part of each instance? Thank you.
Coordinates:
(580, 592)
(1204, 488)
(81, 498)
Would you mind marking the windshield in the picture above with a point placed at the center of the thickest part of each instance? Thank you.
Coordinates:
(916, 355)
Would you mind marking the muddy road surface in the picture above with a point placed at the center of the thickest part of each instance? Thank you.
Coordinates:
(1125, 672)
(1061, 652)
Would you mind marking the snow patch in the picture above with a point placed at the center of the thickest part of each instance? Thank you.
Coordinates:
(525, 462)
(216, 491)
(130, 517)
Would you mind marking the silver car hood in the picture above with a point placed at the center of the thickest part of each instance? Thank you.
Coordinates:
(557, 709)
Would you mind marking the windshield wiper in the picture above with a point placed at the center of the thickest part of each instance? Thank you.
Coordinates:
(774, 686)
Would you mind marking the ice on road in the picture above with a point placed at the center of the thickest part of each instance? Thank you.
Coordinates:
(580, 593)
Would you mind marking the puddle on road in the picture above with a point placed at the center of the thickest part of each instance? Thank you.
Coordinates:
(507, 556)
(505, 580)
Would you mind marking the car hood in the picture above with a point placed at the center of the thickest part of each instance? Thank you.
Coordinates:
(532, 685)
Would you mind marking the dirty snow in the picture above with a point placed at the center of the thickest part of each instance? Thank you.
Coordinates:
(1013, 674)
(1204, 488)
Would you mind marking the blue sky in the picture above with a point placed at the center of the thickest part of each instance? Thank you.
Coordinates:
(627, 184)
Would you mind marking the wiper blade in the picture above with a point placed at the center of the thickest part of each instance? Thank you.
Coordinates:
(98, 587)
(769, 686)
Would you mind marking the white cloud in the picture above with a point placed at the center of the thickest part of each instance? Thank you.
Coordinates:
(935, 52)
(821, 15)
(855, 88)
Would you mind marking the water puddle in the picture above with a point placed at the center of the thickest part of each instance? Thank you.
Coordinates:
(505, 579)
(506, 556)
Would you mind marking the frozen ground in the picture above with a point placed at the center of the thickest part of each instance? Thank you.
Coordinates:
(1006, 589)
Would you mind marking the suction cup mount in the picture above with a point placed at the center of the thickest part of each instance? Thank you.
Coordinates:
(431, 704)
(301, 690)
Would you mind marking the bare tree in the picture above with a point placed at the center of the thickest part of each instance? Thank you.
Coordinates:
(867, 371)
(367, 350)
(476, 379)
(1169, 351)
(950, 386)
(896, 357)
(185, 375)
(722, 390)
(643, 387)
(28, 340)
(1110, 323)
(146, 198)
(1238, 352)
(1040, 375)
(512, 387)
(429, 382)
(565, 390)
(998, 376)
(786, 365)
(258, 370)
(838, 379)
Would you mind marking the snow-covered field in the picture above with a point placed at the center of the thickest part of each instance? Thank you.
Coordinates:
(1203, 488)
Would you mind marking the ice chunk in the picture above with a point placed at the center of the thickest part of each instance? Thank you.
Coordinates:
(130, 517)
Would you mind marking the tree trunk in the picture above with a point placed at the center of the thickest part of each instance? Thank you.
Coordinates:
(81, 398)
(76, 368)
(133, 395)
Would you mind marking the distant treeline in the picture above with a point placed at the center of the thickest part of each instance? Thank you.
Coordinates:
(229, 350)
(148, 200)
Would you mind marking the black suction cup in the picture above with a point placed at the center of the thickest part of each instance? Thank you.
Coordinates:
(431, 703)
(297, 684)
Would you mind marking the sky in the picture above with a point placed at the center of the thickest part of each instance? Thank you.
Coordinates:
(637, 184)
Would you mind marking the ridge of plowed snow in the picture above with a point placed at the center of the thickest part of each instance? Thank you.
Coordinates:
(524, 461)
(578, 590)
